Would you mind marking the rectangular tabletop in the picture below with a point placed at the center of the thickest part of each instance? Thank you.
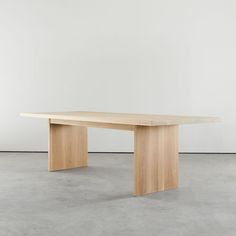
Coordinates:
(123, 118)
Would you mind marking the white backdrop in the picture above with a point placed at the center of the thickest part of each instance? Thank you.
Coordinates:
(168, 57)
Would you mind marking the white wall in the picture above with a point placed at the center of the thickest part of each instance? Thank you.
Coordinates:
(174, 57)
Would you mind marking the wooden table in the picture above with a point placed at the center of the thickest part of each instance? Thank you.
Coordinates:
(155, 143)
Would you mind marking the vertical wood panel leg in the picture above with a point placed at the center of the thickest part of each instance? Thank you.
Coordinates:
(156, 158)
(67, 147)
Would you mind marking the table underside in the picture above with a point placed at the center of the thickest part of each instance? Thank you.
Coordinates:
(155, 152)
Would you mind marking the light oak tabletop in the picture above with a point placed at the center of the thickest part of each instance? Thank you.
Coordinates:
(123, 118)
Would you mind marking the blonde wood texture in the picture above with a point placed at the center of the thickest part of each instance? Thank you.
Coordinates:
(93, 124)
(67, 147)
(156, 159)
(156, 143)
(122, 118)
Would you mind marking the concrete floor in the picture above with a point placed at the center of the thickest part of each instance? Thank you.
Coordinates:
(98, 200)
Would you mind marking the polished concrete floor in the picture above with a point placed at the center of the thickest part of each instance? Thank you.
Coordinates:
(98, 200)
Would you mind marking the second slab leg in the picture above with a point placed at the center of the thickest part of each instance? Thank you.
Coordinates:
(156, 158)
